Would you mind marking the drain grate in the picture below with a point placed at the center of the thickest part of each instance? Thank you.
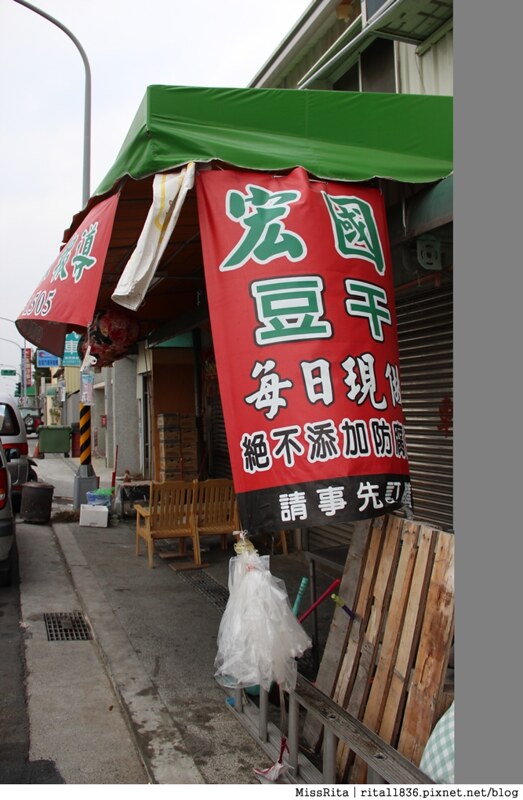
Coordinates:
(67, 627)
(213, 591)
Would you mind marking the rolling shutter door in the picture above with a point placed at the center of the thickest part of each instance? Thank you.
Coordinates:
(220, 463)
(329, 536)
(425, 343)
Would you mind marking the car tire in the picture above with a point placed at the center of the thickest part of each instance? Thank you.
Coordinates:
(6, 571)
(16, 501)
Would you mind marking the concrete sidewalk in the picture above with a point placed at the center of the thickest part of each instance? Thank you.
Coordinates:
(146, 681)
(74, 714)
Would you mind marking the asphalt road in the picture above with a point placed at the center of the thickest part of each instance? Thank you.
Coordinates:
(139, 703)
(15, 765)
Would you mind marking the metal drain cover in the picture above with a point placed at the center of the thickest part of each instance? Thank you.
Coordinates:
(213, 591)
(67, 627)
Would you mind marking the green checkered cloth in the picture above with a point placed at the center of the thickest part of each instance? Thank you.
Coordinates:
(438, 757)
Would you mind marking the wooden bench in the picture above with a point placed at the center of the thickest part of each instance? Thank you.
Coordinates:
(169, 515)
(215, 509)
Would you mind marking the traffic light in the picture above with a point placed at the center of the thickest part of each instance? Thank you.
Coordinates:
(18, 389)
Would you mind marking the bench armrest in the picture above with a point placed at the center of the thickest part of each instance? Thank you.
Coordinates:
(142, 511)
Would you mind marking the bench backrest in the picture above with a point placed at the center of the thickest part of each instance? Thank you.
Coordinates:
(171, 504)
(215, 502)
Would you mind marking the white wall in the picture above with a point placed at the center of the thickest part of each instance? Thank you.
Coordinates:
(431, 73)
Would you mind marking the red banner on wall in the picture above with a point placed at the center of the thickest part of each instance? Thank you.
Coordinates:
(28, 367)
(301, 300)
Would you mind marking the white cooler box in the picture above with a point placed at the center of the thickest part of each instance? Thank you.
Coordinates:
(94, 516)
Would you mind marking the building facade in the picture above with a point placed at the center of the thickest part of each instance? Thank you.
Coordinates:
(397, 46)
(393, 46)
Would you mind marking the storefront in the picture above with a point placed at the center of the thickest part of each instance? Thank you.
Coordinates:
(149, 266)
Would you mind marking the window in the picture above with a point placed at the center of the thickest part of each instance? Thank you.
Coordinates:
(376, 66)
(8, 421)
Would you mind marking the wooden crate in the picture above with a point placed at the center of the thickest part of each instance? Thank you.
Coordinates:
(177, 457)
(387, 667)
(169, 449)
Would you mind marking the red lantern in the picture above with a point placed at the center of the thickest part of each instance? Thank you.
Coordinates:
(115, 328)
(111, 334)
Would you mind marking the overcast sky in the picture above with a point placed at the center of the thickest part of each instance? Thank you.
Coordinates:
(42, 77)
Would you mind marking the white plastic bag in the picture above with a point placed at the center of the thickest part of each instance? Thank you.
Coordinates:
(259, 637)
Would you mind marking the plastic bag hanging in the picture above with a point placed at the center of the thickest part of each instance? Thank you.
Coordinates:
(259, 638)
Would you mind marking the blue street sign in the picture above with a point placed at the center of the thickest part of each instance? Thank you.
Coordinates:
(45, 359)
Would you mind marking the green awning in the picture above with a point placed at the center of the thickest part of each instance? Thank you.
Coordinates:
(342, 136)
(349, 136)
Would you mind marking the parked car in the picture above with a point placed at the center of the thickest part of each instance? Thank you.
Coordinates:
(7, 523)
(14, 442)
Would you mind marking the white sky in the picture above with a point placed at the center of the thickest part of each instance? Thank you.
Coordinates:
(129, 46)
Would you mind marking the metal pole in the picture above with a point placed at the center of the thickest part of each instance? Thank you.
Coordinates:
(329, 756)
(86, 191)
(85, 478)
(22, 367)
(85, 435)
(293, 740)
(263, 716)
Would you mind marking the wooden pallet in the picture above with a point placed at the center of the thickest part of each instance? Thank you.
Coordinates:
(387, 666)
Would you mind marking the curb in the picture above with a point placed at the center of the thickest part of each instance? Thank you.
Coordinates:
(158, 740)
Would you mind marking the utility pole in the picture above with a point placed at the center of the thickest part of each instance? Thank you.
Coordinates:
(85, 479)
(86, 191)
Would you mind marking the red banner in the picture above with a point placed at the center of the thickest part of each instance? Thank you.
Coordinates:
(67, 294)
(28, 367)
(301, 301)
